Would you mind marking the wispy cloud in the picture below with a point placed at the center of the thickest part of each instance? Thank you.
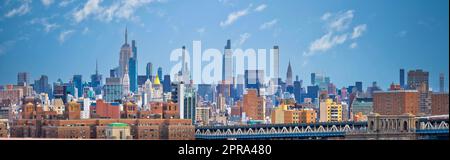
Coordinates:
(234, 16)
(260, 8)
(118, 10)
(47, 2)
(23, 9)
(339, 21)
(358, 31)
(85, 30)
(243, 38)
(268, 25)
(64, 35)
(5, 46)
(353, 45)
(337, 32)
(65, 3)
(44, 22)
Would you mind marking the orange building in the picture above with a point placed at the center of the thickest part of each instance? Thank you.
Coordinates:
(100, 109)
(396, 102)
(254, 105)
(73, 110)
(439, 103)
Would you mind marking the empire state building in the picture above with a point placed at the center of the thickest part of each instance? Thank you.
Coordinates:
(125, 55)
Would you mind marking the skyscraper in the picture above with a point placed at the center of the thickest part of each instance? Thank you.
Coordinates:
(133, 70)
(402, 78)
(185, 68)
(42, 86)
(359, 87)
(441, 82)
(96, 80)
(160, 73)
(78, 83)
(313, 79)
(125, 55)
(227, 66)
(149, 70)
(276, 63)
(126, 82)
(112, 90)
(416, 78)
(166, 84)
(23, 78)
(289, 75)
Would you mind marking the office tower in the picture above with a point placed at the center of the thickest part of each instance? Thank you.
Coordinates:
(418, 80)
(297, 89)
(114, 73)
(160, 73)
(289, 75)
(141, 80)
(78, 82)
(42, 86)
(96, 80)
(402, 78)
(185, 68)
(125, 55)
(166, 84)
(178, 90)
(417, 77)
(254, 105)
(313, 79)
(276, 63)
(113, 90)
(359, 87)
(133, 68)
(205, 91)
(313, 92)
(396, 102)
(23, 78)
(126, 82)
(190, 103)
(227, 66)
(441, 82)
(149, 70)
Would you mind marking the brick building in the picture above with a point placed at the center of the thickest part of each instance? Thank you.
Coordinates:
(150, 129)
(439, 103)
(396, 102)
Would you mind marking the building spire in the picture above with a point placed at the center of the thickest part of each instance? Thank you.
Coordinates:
(126, 35)
(96, 66)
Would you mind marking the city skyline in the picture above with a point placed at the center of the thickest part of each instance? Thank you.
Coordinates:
(334, 32)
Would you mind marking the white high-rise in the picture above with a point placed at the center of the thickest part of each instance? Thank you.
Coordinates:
(126, 82)
(227, 69)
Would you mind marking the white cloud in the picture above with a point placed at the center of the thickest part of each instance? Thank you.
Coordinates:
(23, 9)
(65, 3)
(124, 9)
(353, 45)
(47, 2)
(325, 43)
(234, 16)
(260, 8)
(358, 31)
(269, 24)
(64, 35)
(91, 7)
(243, 38)
(340, 21)
(44, 22)
(337, 32)
(326, 16)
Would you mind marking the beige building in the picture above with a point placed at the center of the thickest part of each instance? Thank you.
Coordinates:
(330, 111)
(118, 131)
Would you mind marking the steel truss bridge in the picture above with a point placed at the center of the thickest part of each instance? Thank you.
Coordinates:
(423, 126)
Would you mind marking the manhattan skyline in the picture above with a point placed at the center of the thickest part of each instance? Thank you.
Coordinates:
(348, 42)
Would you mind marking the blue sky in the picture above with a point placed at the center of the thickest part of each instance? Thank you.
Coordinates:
(346, 40)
